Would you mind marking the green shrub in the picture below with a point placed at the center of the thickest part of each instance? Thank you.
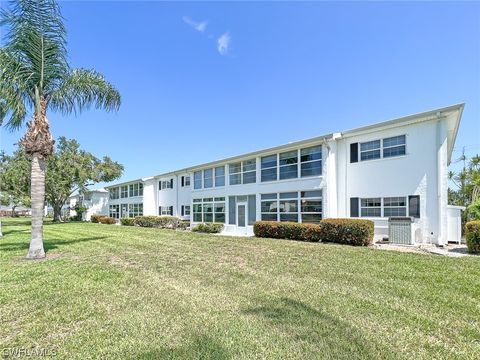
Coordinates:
(162, 222)
(107, 220)
(211, 228)
(358, 232)
(184, 225)
(96, 217)
(472, 235)
(127, 221)
(342, 231)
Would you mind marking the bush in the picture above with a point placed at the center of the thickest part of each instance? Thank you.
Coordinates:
(162, 222)
(211, 228)
(472, 235)
(96, 217)
(356, 232)
(127, 221)
(107, 220)
(342, 231)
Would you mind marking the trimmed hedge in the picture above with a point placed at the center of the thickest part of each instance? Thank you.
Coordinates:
(127, 221)
(472, 235)
(210, 228)
(162, 222)
(107, 220)
(342, 231)
(96, 217)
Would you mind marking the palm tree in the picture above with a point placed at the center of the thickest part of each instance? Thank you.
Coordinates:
(35, 77)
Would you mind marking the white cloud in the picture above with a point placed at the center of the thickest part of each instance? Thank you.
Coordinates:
(197, 25)
(223, 43)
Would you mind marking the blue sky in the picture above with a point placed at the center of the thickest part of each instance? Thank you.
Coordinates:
(203, 81)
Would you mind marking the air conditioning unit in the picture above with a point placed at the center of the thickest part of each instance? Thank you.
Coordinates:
(400, 230)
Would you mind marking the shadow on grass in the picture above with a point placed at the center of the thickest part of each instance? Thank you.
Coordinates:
(47, 244)
(199, 347)
(329, 334)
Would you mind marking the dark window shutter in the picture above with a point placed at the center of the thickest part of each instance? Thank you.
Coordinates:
(183, 181)
(171, 210)
(353, 207)
(159, 185)
(171, 183)
(354, 152)
(183, 207)
(159, 210)
(414, 206)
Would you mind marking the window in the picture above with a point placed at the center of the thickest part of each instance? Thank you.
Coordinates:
(186, 210)
(243, 172)
(165, 184)
(311, 161)
(394, 146)
(197, 180)
(208, 178)
(414, 206)
(269, 207)
(288, 206)
(371, 207)
(114, 211)
(370, 150)
(165, 210)
(220, 176)
(311, 206)
(288, 165)
(135, 210)
(268, 166)
(136, 189)
(124, 192)
(208, 210)
(114, 193)
(187, 181)
(394, 206)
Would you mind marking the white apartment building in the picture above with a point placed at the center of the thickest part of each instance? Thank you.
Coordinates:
(394, 168)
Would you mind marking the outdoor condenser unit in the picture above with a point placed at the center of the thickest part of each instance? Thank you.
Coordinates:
(400, 230)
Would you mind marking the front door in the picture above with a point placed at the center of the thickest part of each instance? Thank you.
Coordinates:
(241, 217)
(124, 211)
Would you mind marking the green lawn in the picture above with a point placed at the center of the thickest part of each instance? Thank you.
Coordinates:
(118, 292)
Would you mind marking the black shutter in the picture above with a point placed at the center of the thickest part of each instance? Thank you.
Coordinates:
(354, 152)
(183, 181)
(353, 207)
(171, 210)
(171, 183)
(183, 207)
(159, 185)
(414, 206)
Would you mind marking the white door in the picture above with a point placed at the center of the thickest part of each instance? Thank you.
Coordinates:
(242, 217)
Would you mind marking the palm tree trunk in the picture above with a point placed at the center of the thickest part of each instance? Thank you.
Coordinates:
(36, 250)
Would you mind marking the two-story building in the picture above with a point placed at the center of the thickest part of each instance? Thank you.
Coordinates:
(393, 168)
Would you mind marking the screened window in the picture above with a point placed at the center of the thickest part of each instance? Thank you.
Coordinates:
(395, 206)
(235, 171)
(208, 178)
(268, 168)
(208, 210)
(135, 210)
(394, 146)
(197, 180)
(114, 193)
(114, 211)
(220, 176)
(249, 173)
(135, 189)
(288, 164)
(311, 161)
(124, 192)
(371, 207)
(370, 150)
(311, 206)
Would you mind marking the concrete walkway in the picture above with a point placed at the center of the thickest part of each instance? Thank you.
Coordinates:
(452, 250)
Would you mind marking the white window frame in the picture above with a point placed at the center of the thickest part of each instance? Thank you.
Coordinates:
(398, 207)
(371, 207)
(382, 148)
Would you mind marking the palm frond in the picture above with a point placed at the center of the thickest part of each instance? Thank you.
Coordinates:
(82, 89)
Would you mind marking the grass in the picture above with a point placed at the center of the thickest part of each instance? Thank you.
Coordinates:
(107, 291)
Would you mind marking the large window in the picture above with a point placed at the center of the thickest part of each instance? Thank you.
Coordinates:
(395, 206)
(209, 210)
(208, 178)
(135, 210)
(136, 189)
(371, 207)
(197, 179)
(124, 191)
(288, 164)
(311, 161)
(384, 148)
(114, 193)
(269, 168)
(285, 206)
(114, 211)
(394, 146)
(220, 176)
(244, 172)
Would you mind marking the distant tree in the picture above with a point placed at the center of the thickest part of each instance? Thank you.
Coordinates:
(466, 191)
(35, 78)
(14, 181)
(70, 169)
